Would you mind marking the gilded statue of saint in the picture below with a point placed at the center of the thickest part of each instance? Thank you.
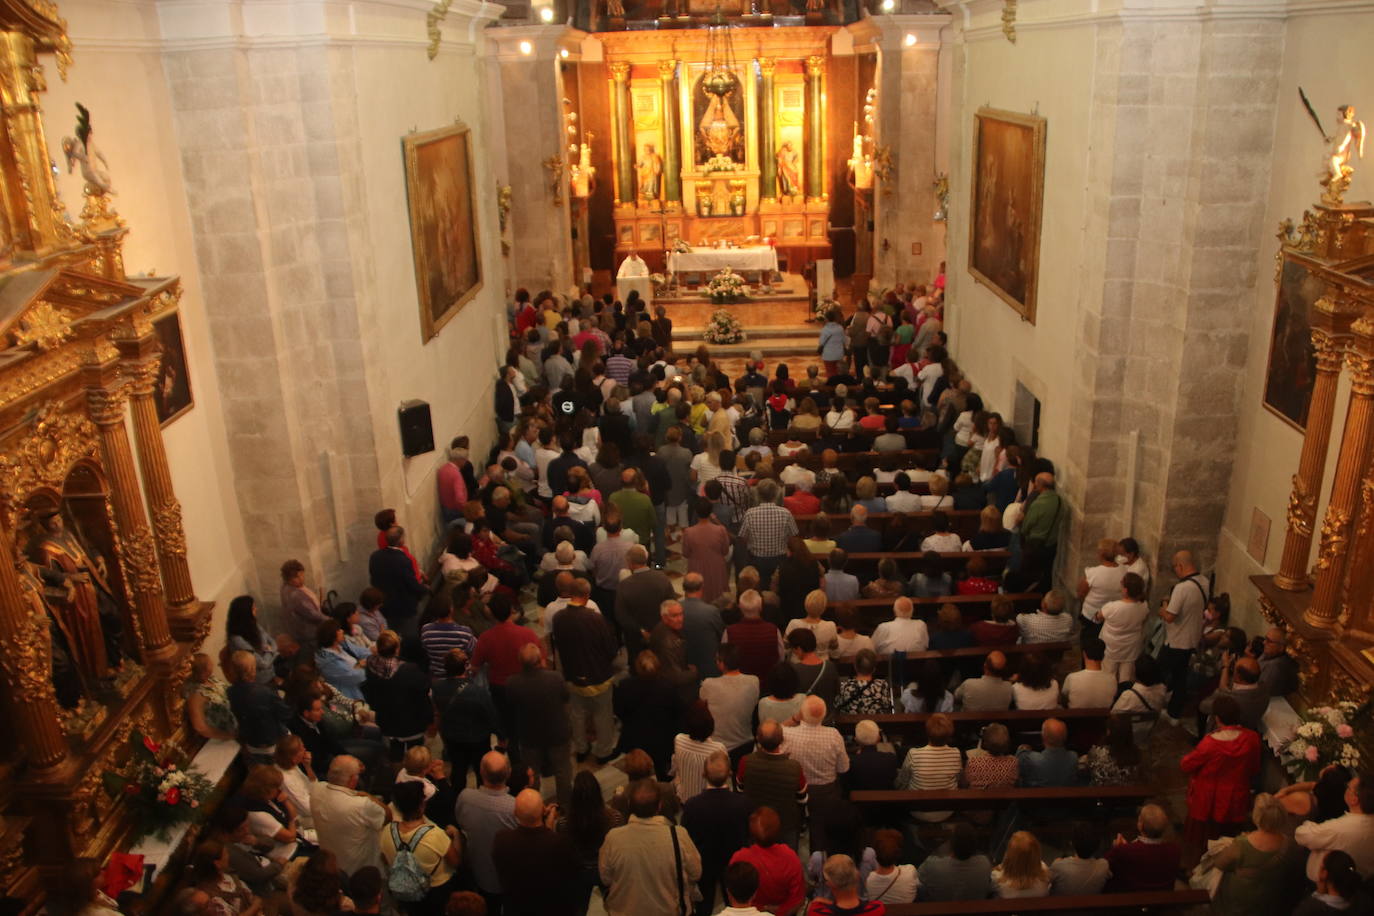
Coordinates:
(650, 167)
(77, 592)
(789, 181)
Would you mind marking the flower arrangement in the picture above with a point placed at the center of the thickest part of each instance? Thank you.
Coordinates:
(724, 328)
(681, 246)
(821, 308)
(160, 787)
(1324, 737)
(726, 286)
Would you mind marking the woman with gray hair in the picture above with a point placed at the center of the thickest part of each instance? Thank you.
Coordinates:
(1256, 867)
(842, 875)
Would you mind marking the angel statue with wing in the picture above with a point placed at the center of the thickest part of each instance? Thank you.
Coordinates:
(82, 149)
(1342, 147)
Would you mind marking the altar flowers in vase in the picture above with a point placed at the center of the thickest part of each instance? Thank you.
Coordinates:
(726, 286)
(724, 328)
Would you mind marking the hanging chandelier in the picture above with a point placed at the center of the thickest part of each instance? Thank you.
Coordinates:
(720, 128)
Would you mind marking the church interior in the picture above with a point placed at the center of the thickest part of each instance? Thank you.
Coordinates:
(995, 343)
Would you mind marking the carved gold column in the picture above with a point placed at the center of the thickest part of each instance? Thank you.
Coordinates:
(1350, 466)
(672, 146)
(1359, 584)
(768, 155)
(625, 150)
(815, 127)
(141, 361)
(1302, 502)
(32, 211)
(105, 403)
(26, 667)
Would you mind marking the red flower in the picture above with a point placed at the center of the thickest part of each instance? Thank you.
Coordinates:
(173, 795)
(130, 789)
(152, 746)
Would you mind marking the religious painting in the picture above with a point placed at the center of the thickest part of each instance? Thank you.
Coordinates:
(1004, 219)
(717, 108)
(443, 223)
(173, 392)
(1292, 360)
(789, 101)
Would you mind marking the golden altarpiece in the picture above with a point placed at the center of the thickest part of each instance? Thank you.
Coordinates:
(1328, 610)
(98, 619)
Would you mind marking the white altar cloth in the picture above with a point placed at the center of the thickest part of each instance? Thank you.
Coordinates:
(714, 260)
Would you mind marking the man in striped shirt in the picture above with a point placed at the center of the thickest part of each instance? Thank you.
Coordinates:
(440, 636)
(1049, 624)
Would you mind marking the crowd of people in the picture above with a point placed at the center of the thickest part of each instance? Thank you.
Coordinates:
(454, 741)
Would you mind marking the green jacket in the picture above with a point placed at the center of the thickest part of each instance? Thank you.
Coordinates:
(637, 513)
(1041, 523)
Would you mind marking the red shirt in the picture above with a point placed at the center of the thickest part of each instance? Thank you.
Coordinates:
(499, 648)
(875, 422)
(987, 633)
(781, 886)
(802, 503)
(1219, 789)
(976, 585)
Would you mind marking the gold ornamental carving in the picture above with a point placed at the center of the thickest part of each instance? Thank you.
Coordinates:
(667, 69)
(435, 16)
(106, 405)
(1308, 666)
(1009, 20)
(620, 70)
(1302, 507)
(44, 457)
(1347, 688)
(1270, 612)
(142, 375)
(1366, 516)
(43, 327)
(767, 65)
(815, 65)
(1335, 535)
(1328, 349)
(140, 560)
(171, 537)
(27, 667)
(1361, 368)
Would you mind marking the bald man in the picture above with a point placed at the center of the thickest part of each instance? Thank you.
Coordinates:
(770, 777)
(1182, 616)
(1053, 766)
(1240, 682)
(702, 625)
(1147, 863)
(537, 865)
(639, 597)
(819, 749)
(482, 813)
(1278, 669)
(902, 633)
(538, 701)
(990, 692)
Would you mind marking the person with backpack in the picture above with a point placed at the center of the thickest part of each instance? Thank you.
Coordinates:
(421, 858)
(1182, 614)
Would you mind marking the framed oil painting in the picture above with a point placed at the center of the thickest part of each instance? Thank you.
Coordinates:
(1008, 193)
(443, 223)
(1292, 360)
(172, 395)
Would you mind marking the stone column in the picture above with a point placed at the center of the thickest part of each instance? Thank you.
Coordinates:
(1350, 466)
(105, 403)
(768, 163)
(1307, 482)
(672, 146)
(28, 682)
(815, 127)
(141, 360)
(625, 150)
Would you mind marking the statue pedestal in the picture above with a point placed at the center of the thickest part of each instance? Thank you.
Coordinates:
(1342, 233)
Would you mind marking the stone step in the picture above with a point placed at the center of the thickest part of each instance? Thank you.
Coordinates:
(758, 333)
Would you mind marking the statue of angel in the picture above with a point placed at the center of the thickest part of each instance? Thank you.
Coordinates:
(82, 149)
(1346, 144)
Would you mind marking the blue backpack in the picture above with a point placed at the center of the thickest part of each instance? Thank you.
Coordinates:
(408, 882)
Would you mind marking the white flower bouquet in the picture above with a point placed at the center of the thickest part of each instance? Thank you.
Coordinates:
(822, 308)
(1324, 737)
(724, 328)
(681, 246)
(726, 286)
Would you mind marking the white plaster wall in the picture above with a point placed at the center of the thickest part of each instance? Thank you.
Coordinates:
(1048, 72)
(1327, 55)
(397, 90)
(117, 74)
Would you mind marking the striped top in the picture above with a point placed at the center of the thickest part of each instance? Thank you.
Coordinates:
(930, 769)
(439, 636)
(689, 764)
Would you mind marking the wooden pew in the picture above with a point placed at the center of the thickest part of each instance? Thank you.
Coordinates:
(908, 729)
(909, 561)
(974, 654)
(963, 799)
(1142, 901)
(963, 522)
(873, 611)
(856, 464)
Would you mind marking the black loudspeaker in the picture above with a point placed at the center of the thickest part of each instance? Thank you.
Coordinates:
(417, 432)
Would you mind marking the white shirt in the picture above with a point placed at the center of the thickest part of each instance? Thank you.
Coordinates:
(542, 458)
(1024, 697)
(928, 377)
(987, 460)
(348, 825)
(1188, 602)
(1139, 568)
(949, 542)
(1104, 584)
(843, 419)
(931, 502)
(297, 786)
(1123, 629)
(903, 501)
(827, 636)
(798, 476)
(898, 887)
(1089, 689)
(907, 372)
(901, 635)
(1351, 833)
(848, 648)
(963, 428)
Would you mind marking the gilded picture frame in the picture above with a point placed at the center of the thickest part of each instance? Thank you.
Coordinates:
(1291, 368)
(1008, 192)
(172, 395)
(440, 197)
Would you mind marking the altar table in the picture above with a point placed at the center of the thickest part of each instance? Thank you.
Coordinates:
(759, 258)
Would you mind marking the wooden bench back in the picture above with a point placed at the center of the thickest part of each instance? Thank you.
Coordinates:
(1143, 901)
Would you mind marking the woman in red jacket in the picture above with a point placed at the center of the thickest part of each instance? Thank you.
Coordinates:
(1223, 766)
